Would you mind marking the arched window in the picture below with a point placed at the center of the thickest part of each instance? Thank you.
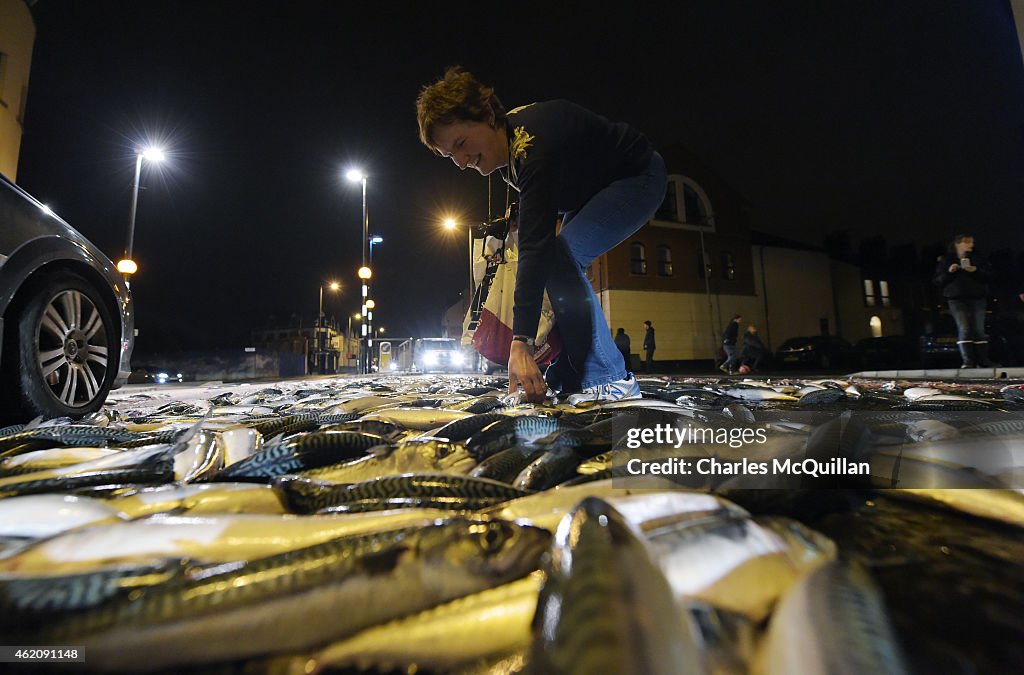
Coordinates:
(664, 261)
(876, 326)
(637, 258)
(686, 204)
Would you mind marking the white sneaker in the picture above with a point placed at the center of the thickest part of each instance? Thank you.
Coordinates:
(620, 390)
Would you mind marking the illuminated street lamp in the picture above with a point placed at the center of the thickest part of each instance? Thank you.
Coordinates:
(334, 286)
(357, 176)
(451, 225)
(348, 331)
(321, 347)
(151, 154)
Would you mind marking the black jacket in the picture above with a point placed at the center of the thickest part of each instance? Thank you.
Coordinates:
(730, 333)
(622, 342)
(649, 345)
(752, 345)
(961, 285)
(560, 155)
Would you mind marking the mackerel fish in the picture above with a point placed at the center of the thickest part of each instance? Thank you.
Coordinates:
(415, 456)
(495, 622)
(832, 621)
(307, 451)
(605, 607)
(401, 491)
(301, 599)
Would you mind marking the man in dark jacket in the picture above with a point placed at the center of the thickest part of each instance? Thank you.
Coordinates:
(729, 336)
(649, 346)
(753, 349)
(965, 286)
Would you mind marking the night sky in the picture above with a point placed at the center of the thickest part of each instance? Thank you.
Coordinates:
(899, 119)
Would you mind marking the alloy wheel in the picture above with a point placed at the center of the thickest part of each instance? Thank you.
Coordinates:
(72, 348)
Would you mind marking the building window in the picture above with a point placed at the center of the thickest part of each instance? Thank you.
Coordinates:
(883, 292)
(869, 293)
(728, 266)
(685, 204)
(669, 209)
(664, 261)
(637, 258)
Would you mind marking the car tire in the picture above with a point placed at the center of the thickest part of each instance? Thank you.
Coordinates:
(64, 345)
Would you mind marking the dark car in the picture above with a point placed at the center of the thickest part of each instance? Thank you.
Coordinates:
(154, 375)
(937, 345)
(821, 351)
(65, 313)
(889, 351)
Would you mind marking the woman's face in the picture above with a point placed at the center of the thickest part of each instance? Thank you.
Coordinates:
(964, 246)
(473, 145)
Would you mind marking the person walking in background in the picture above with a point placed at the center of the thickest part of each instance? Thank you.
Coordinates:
(649, 347)
(965, 286)
(753, 349)
(729, 336)
(622, 342)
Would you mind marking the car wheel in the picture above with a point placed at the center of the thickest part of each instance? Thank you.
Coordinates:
(65, 348)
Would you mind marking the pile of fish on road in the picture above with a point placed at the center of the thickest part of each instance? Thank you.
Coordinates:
(437, 525)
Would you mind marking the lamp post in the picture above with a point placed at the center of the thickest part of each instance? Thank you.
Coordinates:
(127, 265)
(375, 239)
(357, 176)
(320, 342)
(451, 225)
(348, 331)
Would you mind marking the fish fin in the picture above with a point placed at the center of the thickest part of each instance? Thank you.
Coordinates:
(34, 423)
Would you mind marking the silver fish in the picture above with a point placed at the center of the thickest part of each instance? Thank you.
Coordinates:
(299, 599)
(833, 621)
(605, 607)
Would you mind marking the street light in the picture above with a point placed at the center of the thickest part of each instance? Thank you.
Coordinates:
(357, 176)
(348, 331)
(334, 286)
(321, 349)
(127, 266)
(451, 225)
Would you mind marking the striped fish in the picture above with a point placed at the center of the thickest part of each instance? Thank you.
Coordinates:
(303, 495)
(605, 607)
(299, 599)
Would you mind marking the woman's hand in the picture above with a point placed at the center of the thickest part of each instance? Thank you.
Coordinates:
(953, 268)
(523, 372)
(970, 268)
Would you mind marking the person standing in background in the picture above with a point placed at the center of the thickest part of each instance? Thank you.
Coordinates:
(649, 347)
(965, 287)
(729, 337)
(753, 349)
(622, 342)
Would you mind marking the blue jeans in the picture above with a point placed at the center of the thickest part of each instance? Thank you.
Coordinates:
(970, 319)
(605, 221)
(731, 358)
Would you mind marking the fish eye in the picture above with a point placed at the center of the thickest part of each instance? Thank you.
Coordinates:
(492, 538)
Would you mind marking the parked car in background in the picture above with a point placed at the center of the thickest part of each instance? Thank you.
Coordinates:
(65, 312)
(888, 351)
(154, 375)
(937, 345)
(820, 351)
